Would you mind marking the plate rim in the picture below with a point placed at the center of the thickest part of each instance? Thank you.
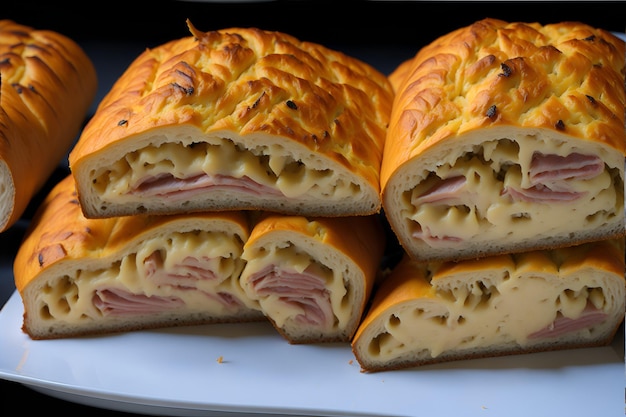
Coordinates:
(602, 361)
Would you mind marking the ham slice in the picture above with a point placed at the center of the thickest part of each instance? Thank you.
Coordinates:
(550, 176)
(171, 187)
(590, 317)
(116, 302)
(447, 191)
(183, 275)
(541, 193)
(306, 290)
(553, 169)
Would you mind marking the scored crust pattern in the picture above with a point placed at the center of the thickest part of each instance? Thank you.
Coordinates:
(282, 124)
(507, 137)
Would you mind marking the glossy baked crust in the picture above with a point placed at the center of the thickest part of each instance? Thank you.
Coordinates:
(238, 118)
(48, 84)
(494, 134)
(80, 276)
(426, 313)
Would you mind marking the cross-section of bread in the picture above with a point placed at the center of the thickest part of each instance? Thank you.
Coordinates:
(236, 118)
(313, 277)
(508, 304)
(507, 137)
(47, 84)
(79, 276)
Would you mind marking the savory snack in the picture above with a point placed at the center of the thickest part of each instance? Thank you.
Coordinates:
(425, 313)
(507, 137)
(313, 277)
(47, 86)
(237, 118)
(79, 276)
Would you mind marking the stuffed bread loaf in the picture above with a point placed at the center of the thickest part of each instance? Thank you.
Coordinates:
(236, 118)
(79, 276)
(48, 84)
(425, 313)
(313, 277)
(507, 137)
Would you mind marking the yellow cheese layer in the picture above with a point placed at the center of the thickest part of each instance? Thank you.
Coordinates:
(494, 311)
(484, 213)
(268, 165)
(69, 299)
(289, 258)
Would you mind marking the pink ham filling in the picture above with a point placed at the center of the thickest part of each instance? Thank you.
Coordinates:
(549, 175)
(169, 186)
(550, 168)
(114, 301)
(563, 325)
(184, 275)
(306, 290)
(448, 191)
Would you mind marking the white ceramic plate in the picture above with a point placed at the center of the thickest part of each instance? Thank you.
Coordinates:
(178, 372)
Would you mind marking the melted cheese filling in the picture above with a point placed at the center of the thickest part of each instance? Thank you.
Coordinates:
(69, 299)
(266, 165)
(289, 258)
(491, 312)
(483, 212)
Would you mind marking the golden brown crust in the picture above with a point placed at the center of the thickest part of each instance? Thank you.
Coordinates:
(80, 276)
(360, 238)
(480, 103)
(351, 247)
(414, 286)
(48, 84)
(60, 233)
(544, 61)
(244, 84)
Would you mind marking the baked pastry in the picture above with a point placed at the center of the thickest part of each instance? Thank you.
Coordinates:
(313, 277)
(236, 118)
(425, 313)
(79, 276)
(507, 137)
(47, 86)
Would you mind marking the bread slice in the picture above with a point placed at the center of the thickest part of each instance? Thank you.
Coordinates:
(313, 277)
(237, 118)
(507, 137)
(48, 84)
(424, 313)
(79, 276)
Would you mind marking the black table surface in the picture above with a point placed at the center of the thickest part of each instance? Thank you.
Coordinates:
(382, 33)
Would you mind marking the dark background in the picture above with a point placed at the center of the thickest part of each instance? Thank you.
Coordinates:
(386, 23)
(382, 33)
(379, 24)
